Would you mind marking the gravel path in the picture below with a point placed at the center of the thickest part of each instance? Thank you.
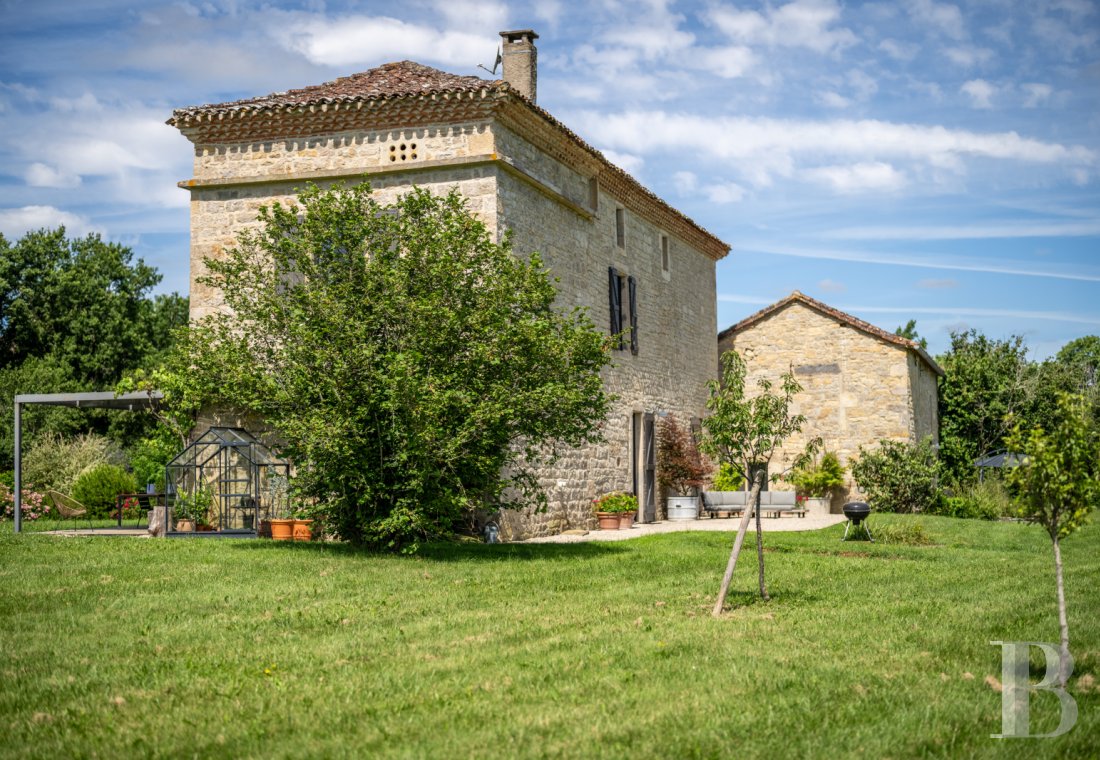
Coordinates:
(710, 524)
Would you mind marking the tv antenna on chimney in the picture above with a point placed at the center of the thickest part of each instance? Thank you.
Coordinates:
(495, 64)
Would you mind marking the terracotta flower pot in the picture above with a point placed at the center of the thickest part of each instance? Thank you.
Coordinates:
(626, 520)
(185, 526)
(282, 530)
(608, 520)
(302, 530)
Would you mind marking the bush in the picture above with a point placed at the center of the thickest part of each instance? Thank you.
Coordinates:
(988, 500)
(819, 479)
(680, 466)
(900, 477)
(97, 488)
(33, 505)
(619, 502)
(727, 479)
(149, 456)
(56, 462)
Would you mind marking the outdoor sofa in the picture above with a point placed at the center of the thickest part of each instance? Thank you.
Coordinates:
(772, 503)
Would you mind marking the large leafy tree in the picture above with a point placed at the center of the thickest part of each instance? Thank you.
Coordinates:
(76, 314)
(1058, 484)
(84, 302)
(413, 368)
(742, 433)
(986, 383)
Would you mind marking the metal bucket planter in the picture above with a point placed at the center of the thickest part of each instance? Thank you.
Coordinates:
(683, 508)
(817, 507)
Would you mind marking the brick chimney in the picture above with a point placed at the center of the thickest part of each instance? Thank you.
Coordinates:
(520, 59)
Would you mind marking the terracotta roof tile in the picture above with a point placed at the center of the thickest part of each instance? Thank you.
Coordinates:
(387, 80)
(394, 82)
(842, 317)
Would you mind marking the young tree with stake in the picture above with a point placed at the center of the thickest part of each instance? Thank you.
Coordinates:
(1057, 485)
(744, 433)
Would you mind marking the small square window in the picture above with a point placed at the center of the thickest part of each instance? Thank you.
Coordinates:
(620, 227)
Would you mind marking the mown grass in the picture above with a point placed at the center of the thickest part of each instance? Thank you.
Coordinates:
(116, 647)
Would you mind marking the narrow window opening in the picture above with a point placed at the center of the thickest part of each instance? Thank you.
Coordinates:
(632, 288)
(594, 194)
(620, 227)
(664, 253)
(615, 306)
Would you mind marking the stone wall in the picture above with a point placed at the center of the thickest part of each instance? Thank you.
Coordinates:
(857, 388)
(548, 208)
(677, 322)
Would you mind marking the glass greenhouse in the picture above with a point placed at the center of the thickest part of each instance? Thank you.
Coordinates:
(227, 481)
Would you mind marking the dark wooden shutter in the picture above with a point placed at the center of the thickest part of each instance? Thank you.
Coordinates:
(615, 305)
(632, 288)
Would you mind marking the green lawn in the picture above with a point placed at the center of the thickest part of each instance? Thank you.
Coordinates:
(116, 647)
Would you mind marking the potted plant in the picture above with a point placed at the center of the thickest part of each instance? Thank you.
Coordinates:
(816, 483)
(191, 510)
(303, 526)
(280, 526)
(681, 469)
(615, 510)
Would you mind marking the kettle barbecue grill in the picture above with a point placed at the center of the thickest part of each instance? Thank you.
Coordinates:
(857, 512)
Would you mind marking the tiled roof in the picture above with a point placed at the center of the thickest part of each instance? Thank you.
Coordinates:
(838, 315)
(385, 81)
(412, 93)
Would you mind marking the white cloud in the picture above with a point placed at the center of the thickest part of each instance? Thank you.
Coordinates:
(832, 286)
(761, 149)
(864, 84)
(968, 56)
(472, 15)
(358, 40)
(1036, 94)
(685, 182)
(631, 163)
(832, 100)
(898, 50)
(16, 222)
(858, 178)
(40, 175)
(549, 11)
(726, 62)
(925, 260)
(944, 17)
(1003, 230)
(980, 91)
(944, 283)
(726, 192)
(801, 24)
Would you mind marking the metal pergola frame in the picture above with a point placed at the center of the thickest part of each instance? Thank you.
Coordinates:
(84, 400)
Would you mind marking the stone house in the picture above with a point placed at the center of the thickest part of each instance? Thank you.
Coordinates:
(620, 251)
(860, 383)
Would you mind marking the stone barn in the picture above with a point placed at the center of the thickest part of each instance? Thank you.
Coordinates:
(632, 260)
(860, 383)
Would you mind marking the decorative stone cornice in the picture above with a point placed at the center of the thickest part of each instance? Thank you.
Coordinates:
(268, 119)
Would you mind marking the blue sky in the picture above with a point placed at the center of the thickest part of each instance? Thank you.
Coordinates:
(928, 160)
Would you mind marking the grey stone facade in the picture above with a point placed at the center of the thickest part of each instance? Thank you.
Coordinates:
(520, 171)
